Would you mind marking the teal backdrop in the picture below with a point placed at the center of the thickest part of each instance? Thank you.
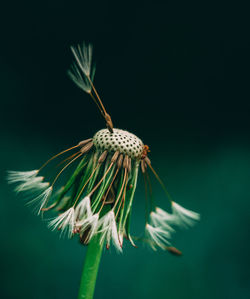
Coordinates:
(175, 73)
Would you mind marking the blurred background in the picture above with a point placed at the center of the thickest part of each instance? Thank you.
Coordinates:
(175, 73)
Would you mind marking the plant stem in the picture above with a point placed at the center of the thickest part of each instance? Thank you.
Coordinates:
(90, 268)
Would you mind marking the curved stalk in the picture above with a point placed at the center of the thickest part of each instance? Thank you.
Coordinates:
(90, 269)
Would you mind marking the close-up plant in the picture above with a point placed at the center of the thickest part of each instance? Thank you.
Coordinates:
(96, 201)
(125, 150)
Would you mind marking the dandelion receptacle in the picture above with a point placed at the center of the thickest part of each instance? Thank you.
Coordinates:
(95, 203)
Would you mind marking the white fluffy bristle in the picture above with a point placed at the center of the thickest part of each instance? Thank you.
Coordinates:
(123, 141)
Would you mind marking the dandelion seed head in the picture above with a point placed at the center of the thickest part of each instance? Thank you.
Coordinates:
(126, 143)
(97, 197)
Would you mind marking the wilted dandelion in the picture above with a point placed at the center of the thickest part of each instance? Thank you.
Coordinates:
(96, 201)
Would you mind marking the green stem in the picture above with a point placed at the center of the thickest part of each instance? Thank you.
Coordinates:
(90, 269)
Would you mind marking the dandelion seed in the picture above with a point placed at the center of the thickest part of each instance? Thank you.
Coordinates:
(83, 57)
(64, 222)
(88, 227)
(158, 220)
(41, 200)
(79, 79)
(20, 176)
(158, 237)
(174, 251)
(107, 226)
(185, 218)
(169, 218)
(32, 184)
(83, 209)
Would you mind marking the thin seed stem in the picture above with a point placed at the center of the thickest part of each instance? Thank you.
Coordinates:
(104, 199)
(122, 202)
(57, 156)
(118, 197)
(131, 197)
(65, 168)
(50, 207)
(146, 196)
(102, 190)
(160, 181)
(97, 104)
(80, 193)
(67, 159)
(150, 192)
(97, 95)
(97, 185)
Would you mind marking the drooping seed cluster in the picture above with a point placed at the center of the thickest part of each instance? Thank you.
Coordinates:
(97, 198)
(99, 194)
(124, 142)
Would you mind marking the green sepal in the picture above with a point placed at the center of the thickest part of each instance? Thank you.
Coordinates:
(70, 183)
(85, 177)
(125, 224)
(93, 179)
(120, 215)
(102, 188)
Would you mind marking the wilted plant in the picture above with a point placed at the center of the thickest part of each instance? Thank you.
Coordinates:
(96, 201)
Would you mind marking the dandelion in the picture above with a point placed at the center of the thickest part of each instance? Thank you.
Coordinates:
(96, 201)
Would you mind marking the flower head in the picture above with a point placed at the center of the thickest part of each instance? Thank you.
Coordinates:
(98, 196)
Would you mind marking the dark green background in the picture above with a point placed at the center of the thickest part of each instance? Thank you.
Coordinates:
(176, 73)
